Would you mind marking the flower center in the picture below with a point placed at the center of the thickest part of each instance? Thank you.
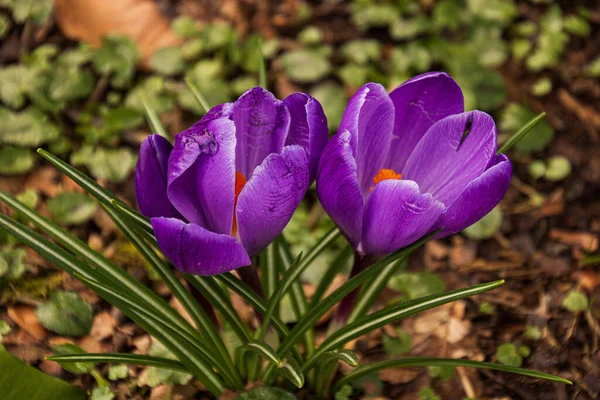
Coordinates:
(385, 174)
(240, 181)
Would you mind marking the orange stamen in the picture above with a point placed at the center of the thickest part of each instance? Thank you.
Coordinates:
(240, 181)
(385, 174)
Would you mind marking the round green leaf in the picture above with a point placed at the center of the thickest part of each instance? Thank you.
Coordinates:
(266, 393)
(507, 354)
(15, 160)
(559, 168)
(72, 208)
(305, 66)
(575, 301)
(66, 314)
(486, 227)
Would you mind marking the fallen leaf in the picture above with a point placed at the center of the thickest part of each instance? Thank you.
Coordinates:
(24, 316)
(91, 20)
(398, 375)
(582, 240)
(103, 326)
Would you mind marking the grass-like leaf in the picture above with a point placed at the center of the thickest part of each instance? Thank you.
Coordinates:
(371, 292)
(122, 358)
(514, 139)
(263, 350)
(197, 94)
(344, 355)
(392, 314)
(313, 315)
(140, 220)
(268, 267)
(442, 362)
(262, 68)
(155, 125)
(336, 266)
(292, 372)
(200, 318)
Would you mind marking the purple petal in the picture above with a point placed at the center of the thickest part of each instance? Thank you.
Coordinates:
(151, 178)
(396, 215)
(195, 250)
(261, 124)
(419, 103)
(369, 117)
(337, 187)
(202, 174)
(308, 127)
(443, 163)
(478, 198)
(270, 197)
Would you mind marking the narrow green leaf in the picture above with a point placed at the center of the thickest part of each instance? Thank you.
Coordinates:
(314, 314)
(262, 349)
(292, 372)
(336, 266)
(343, 355)
(392, 314)
(203, 322)
(262, 69)
(371, 292)
(289, 277)
(442, 362)
(155, 125)
(142, 221)
(514, 139)
(197, 94)
(125, 358)
(268, 268)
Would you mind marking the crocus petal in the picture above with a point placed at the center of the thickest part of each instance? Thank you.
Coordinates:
(337, 186)
(195, 250)
(369, 117)
(308, 127)
(270, 197)
(151, 178)
(396, 215)
(445, 162)
(478, 198)
(202, 174)
(419, 103)
(261, 124)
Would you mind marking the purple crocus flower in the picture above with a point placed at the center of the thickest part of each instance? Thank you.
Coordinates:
(406, 164)
(232, 181)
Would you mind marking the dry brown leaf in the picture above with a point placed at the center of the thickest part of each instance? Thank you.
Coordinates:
(24, 316)
(91, 20)
(582, 240)
(398, 375)
(103, 326)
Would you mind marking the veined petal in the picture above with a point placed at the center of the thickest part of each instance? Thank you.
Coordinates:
(445, 161)
(478, 198)
(261, 125)
(396, 215)
(270, 197)
(369, 118)
(419, 103)
(308, 127)
(202, 174)
(151, 178)
(198, 251)
(337, 186)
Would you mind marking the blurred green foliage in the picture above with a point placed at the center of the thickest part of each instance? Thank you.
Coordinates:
(80, 101)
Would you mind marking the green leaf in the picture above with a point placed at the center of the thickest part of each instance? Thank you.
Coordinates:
(292, 372)
(344, 355)
(305, 66)
(73, 367)
(185, 26)
(117, 57)
(70, 83)
(4, 25)
(20, 381)
(266, 393)
(541, 87)
(487, 226)
(12, 263)
(158, 376)
(13, 85)
(310, 36)
(15, 160)
(557, 168)
(66, 314)
(507, 354)
(575, 301)
(263, 350)
(36, 11)
(116, 372)
(28, 128)
(102, 393)
(551, 41)
(153, 90)
(333, 99)
(442, 362)
(417, 284)
(443, 372)
(113, 165)
(135, 359)
(72, 208)
(428, 394)
(391, 314)
(533, 132)
(537, 169)
(167, 61)
(397, 345)
(577, 25)
(361, 51)
(593, 68)
(532, 333)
